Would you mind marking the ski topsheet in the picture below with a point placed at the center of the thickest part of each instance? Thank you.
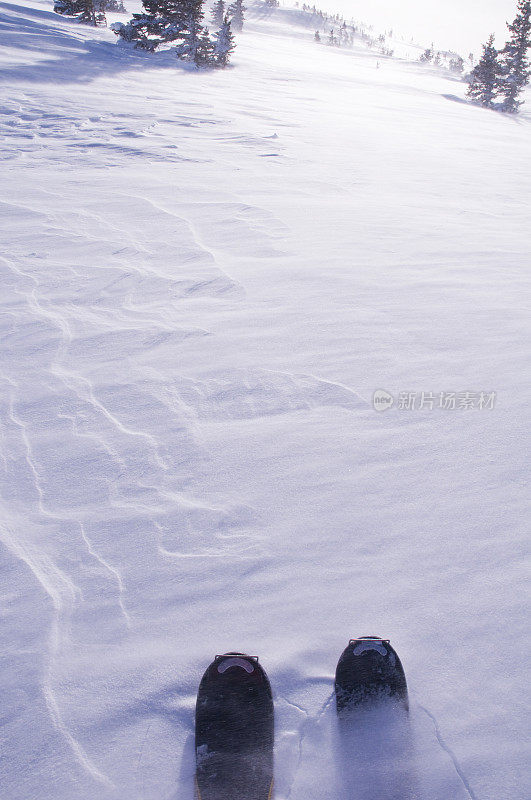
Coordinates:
(369, 671)
(234, 731)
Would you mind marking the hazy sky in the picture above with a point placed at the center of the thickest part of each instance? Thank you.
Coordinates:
(460, 24)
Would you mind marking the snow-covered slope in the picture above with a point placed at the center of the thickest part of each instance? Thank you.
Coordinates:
(205, 277)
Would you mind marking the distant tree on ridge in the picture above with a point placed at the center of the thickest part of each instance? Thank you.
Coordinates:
(483, 80)
(218, 13)
(224, 43)
(514, 64)
(236, 12)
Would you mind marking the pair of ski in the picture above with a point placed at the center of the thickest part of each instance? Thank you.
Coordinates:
(234, 723)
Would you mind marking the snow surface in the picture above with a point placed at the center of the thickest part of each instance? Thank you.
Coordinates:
(205, 277)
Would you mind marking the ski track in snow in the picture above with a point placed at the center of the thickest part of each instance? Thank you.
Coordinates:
(448, 750)
(204, 278)
(62, 593)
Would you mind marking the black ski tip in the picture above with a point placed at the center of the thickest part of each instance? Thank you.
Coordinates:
(234, 730)
(369, 671)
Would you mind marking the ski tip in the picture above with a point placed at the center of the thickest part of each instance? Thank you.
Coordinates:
(369, 671)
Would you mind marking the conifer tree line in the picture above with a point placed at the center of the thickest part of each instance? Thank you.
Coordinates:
(334, 31)
(181, 24)
(497, 81)
(235, 12)
(176, 22)
(446, 59)
(500, 76)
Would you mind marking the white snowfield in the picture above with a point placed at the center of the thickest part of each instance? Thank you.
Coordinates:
(205, 276)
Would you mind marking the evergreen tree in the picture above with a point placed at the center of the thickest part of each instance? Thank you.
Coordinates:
(218, 13)
(191, 48)
(88, 12)
(163, 21)
(166, 21)
(483, 79)
(457, 64)
(178, 21)
(317, 36)
(342, 34)
(426, 56)
(204, 56)
(224, 44)
(515, 68)
(236, 13)
(114, 5)
(65, 7)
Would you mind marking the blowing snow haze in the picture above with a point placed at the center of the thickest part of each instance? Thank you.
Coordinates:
(462, 25)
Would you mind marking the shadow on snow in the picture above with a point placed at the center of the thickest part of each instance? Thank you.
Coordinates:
(73, 58)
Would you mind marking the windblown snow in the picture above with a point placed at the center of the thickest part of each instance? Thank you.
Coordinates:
(205, 277)
(457, 24)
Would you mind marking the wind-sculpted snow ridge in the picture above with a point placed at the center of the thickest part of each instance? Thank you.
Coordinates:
(205, 278)
(262, 393)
